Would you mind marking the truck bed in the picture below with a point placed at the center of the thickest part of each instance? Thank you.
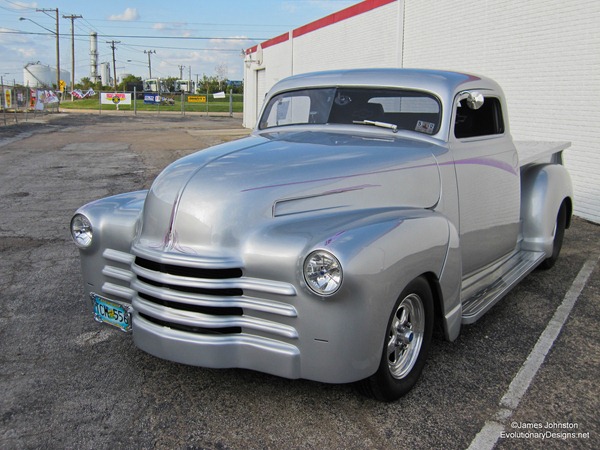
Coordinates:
(538, 151)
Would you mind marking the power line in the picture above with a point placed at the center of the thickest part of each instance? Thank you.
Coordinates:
(123, 36)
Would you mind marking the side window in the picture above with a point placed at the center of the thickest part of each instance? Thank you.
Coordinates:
(484, 121)
(288, 111)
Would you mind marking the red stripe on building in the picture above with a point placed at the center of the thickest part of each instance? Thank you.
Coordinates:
(340, 16)
(352, 11)
(276, 40)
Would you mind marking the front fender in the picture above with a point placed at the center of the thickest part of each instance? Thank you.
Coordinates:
(114, 223)
(380, 252)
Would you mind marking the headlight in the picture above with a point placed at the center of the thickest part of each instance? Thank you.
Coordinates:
(81, 230)
(323, 273)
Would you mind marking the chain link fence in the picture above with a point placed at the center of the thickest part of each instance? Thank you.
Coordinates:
(20, 103)
(135, 101)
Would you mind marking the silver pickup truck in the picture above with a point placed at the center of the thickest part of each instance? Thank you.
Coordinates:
(366, 207)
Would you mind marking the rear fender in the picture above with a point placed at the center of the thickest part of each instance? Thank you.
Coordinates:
(544, 188)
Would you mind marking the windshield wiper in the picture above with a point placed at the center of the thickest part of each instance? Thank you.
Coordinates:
(375, 123)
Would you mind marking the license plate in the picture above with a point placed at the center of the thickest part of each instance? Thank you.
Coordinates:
(112, 313)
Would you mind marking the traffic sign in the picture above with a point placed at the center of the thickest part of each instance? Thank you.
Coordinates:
(196, 98)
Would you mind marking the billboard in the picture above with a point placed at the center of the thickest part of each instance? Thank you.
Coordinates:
(151, 99)
(115, 98)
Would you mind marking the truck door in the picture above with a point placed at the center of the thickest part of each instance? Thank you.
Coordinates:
(487, 172)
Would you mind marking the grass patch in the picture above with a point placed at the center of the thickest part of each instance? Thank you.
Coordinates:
(214, 105)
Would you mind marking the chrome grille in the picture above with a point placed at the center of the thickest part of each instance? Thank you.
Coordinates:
(185, 296)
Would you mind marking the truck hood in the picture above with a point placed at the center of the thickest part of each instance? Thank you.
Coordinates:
(213, 199)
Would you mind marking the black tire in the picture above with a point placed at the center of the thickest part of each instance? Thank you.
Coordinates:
(407, 340)
(559, 234)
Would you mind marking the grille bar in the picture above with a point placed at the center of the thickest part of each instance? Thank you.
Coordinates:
(248, 303)
(194, 290)
(183, 271)
(191, 329)
(274, 287)
(201, 321)
(208, 310)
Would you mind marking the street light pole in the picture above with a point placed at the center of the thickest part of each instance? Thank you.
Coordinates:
(72, 17)
(57, 47)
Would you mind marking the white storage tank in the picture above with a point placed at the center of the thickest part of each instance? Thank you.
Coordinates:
(41, 75)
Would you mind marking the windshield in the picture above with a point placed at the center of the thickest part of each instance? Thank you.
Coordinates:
(389, 108)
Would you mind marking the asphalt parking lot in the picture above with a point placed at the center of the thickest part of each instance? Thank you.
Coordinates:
(68, 382)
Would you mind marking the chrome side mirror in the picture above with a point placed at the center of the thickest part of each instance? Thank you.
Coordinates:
(474, 99)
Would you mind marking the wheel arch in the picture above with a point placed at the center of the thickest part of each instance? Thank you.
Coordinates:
(438, 300)
(544, 188)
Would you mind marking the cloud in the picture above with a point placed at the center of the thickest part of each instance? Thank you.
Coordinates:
(26, 53)
(173, 28)
(129, 15)
(22, 5)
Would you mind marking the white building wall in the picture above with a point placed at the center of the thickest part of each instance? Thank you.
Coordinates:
(544, 53)
(546, 56)
(357, 42)
(368, 39)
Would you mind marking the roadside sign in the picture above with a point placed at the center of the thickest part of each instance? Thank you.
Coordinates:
(151, 99)
(115, 98)
(196, 98)
(7, 98)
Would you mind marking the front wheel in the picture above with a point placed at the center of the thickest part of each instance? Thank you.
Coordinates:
(407, 340)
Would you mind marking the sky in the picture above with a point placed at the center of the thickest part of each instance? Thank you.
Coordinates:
(201, 37)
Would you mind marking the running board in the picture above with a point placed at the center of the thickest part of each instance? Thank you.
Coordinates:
(513, 270)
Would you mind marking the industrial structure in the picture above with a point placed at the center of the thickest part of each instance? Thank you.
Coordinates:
(37, 75)
(94, 76)
(551, 42)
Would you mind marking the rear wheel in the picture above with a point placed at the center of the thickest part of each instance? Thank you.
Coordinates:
(407, 340)
(559, 233)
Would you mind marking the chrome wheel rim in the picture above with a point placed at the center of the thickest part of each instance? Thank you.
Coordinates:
(405, 336)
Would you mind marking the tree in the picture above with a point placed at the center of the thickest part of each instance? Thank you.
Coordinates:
(170, 83)
(129, 82)
(221, 71)
(85, 83)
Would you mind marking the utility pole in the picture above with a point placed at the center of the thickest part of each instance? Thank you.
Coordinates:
(181, 72)
(72, 17)
(112, 45)
(149, 52)
(57, 46)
